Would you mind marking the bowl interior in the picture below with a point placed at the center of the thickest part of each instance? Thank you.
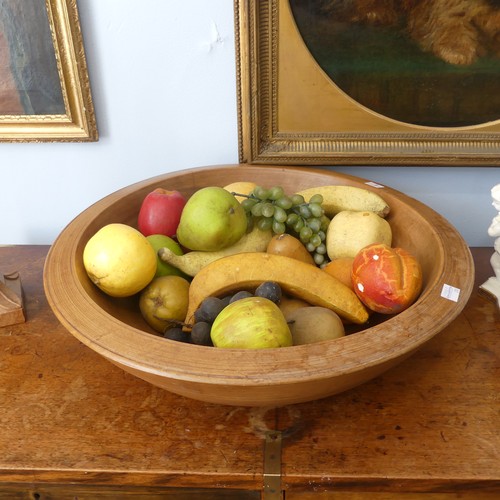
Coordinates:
(411, 231)
(115, 328)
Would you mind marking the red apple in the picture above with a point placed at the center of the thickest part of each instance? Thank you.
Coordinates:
(160, 212)
(387, 280)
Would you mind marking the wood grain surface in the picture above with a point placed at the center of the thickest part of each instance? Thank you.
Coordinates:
(73, 422)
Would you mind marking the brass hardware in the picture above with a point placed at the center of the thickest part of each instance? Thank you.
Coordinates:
(272, 466)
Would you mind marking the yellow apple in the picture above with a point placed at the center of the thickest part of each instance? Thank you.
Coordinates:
(241, 187)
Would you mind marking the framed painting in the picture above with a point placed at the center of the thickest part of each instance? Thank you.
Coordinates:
(364, 82)
(44, 85)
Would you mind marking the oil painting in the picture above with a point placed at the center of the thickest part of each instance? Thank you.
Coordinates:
(44, 86)
(365, 82)
(28, 73)
(427, 62)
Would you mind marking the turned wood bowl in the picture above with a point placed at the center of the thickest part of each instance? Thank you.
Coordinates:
(115, 329)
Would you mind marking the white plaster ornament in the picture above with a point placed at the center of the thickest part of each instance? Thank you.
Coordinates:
(492, 285)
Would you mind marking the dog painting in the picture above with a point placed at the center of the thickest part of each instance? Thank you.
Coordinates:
(424, 62)
(456, 31)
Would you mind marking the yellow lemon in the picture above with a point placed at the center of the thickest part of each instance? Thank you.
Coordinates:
(119, 260)
(242, 187)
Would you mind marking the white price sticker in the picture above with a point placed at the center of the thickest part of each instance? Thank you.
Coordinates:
(450, 292)
(374, 184)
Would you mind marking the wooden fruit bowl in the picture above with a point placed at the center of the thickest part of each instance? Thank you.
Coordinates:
(270, 377)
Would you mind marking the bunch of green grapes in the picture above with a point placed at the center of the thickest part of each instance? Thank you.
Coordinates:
(273, 209)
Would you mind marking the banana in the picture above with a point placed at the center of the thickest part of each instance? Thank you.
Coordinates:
(339, 198)
(246, 271)
(192, 262)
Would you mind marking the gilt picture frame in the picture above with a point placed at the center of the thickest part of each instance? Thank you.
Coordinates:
(290, 111)
(45, 93)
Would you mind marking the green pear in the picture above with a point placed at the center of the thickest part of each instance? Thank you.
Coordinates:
(211, 220)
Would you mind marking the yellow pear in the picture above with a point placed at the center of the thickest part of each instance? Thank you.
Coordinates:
(164, 302)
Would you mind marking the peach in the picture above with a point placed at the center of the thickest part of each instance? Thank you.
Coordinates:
(387, 280)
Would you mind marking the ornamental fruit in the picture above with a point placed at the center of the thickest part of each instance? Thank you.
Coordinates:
(119, 260)
(163, 303)
(387, 280)
(241, 187)
(251, 323)
(350, 231)
(341, 269)
(163, 268)
(160, 212)
(314, 324)
(212, 220)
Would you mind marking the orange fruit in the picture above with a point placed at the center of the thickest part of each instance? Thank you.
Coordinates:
(341, 269)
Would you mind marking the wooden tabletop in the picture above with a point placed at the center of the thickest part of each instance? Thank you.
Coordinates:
(72, 421)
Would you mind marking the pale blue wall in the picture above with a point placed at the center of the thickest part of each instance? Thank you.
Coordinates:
(163, 81)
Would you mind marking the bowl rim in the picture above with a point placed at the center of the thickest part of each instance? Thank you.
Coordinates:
(264, 367)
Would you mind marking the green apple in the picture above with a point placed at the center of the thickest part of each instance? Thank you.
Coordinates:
(211, 220)
(158, 241)
(251, 323)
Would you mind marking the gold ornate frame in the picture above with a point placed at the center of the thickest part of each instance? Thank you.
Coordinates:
(78, 123)
(289, 111)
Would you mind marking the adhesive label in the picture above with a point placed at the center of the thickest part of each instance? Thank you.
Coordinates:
(450, 292)
(374, 184)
